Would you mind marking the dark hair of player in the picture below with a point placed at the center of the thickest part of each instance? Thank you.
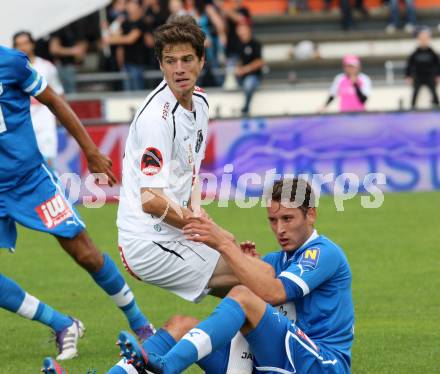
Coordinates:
(179, 30)
(294, 193)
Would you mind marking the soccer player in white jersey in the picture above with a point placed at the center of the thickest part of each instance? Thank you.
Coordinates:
(165, 147)
(43, 120)
(164, 150)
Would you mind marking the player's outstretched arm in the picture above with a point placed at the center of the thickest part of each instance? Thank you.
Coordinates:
(251, 272)
(97, 162)
(158, 204)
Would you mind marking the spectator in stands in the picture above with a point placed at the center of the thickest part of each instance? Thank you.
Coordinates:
(235, 16)
(132, 46)
(351, 87)
(156, 13)
(176, 8)
(346, 12)
(395, 16)
(43, 120)
(68, 47)
(295, 6)
(249, 71)
(209, 19)
(423, 67)
(116, 14)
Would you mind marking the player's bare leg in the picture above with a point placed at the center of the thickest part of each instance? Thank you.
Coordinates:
(241, 311)
(83, 251)
(253, 306)
(105, 273)
(222, 280)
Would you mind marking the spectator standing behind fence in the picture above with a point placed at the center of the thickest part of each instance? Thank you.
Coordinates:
(68, 47)
(351, 87)
(176, 8)
(43, 120)
(234, 16)
(132, 43)
(395, 16)
(112, 57)
(156, 12)
(347, 14)
(209, 19)
(423, 67)
(249, 70)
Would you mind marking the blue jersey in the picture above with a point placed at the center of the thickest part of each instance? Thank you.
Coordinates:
(19, 153)
(317, 278)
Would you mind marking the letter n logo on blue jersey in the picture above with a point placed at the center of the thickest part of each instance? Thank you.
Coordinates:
(310, 257)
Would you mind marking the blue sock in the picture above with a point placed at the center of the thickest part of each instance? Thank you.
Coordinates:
(50, 317)
(208, 336)
(110, 280)
(11, 294)
(216, 362)
(160, 343)
(16, 300)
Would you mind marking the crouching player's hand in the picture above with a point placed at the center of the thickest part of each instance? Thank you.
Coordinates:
(205, 230)
(249, 249)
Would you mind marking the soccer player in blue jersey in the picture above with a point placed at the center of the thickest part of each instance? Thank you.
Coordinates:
(298, 319)
(31, 194)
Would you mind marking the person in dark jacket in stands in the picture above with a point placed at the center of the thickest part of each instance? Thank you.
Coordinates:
(68, 47)
(132, 43)
(249, 71)
(423, 67)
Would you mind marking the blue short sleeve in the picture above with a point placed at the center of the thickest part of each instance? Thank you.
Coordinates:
(314, 267)
(29, 80)
(271, 259)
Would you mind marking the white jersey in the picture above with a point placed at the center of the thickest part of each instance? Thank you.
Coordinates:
(43, 120)
(165, 147)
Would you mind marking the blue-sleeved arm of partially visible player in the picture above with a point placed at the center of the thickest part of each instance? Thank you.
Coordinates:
(315, 266)
(27, 78)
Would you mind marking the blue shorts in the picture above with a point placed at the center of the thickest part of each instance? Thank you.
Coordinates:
(281, 347)
(38, 203)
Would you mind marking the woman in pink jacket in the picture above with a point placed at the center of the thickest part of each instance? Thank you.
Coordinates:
(351, 87)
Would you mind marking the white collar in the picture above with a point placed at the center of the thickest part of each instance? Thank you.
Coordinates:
(312, 237)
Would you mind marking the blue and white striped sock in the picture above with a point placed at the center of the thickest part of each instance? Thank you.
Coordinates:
(16, 300)
(208, 336)
(111, 281)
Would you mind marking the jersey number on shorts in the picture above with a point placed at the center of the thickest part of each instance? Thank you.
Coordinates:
(2, 122)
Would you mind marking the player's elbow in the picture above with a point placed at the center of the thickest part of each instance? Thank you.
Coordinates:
(274, 299)
(149, 201)
(275, 295)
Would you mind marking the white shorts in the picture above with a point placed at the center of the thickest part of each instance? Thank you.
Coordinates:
(183, 267)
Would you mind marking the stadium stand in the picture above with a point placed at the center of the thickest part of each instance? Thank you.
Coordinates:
(302, 50)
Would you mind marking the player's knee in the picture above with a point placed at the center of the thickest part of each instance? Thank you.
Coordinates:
(242, 295)
(178, 325)
(89, 260)
(85, 253)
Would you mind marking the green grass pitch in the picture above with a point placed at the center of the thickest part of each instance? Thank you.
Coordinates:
(393, 251)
